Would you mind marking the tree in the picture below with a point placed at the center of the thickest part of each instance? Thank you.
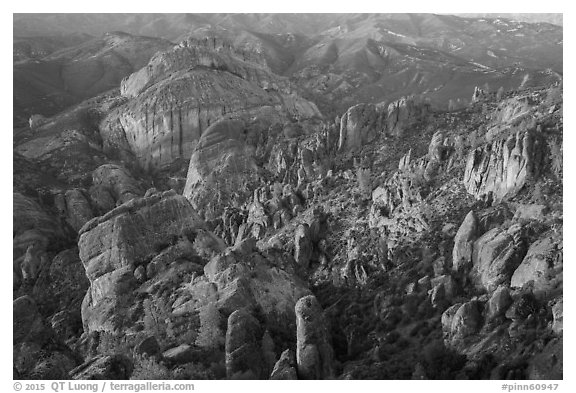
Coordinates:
(210, 334)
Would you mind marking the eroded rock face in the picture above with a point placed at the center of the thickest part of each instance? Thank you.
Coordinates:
(464, 243)
(496, 255)
(243, 351)
(113, 185)
(285, 367)
(76, 208)
(62, 284)
(403, 113)
(221, 156)
(113, 245)
(359, 125)
(460, 321)
(28, 325)
(183, 91)
(498, 303)
(104, 367)
(31, 223)
(314, 353)
(502, 167)
(558, 315)
(247, 279)
(549, 363)
(539, 265)
(303, 245)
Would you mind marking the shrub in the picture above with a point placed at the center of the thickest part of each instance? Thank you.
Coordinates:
(156, 318)
(210, 334)
(363, 176)
(441, 362)
(146, 368)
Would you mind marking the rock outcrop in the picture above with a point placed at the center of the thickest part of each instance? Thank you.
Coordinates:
(464, 243)
(75, 206)
(461, 321)
(113, 185)
(104, 368)
(285, 367)
(359, 125)
(314, 353)
(540, 265)
(502, 167)
(112, 246)
(403, 113)
(181, 92)
(243, 351)
(496, 256)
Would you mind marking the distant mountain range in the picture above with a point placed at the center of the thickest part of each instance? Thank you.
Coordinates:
(334, 59)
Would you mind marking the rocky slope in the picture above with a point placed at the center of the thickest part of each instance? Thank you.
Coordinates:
(47, 84)
(181, 92)
(394, 241)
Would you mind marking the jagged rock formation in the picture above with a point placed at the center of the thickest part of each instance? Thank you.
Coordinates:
(104, 368)
(390, 232)
(496, 255)
(363, 122)
(113, 185)
(503, 167)
(464, 243)
(540, 266)
(359, 125)
(461, 321)
(403, 113)
(285, 367)
(314, 354)
(75, 205)
(243, 352)
(112, 246)
(183, 91)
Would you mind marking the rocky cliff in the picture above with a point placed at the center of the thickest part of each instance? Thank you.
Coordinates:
(181, 92)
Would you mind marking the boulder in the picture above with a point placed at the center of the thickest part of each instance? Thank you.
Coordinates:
(181, 354)
(496, 255)
(113, 185)
(558, 315)
(148, 346)
(538, 266)
(252, 280)
(461, 321)
(285, 367)
(447, 282)
(523, 306)
(498, 303)
(104, 367)
(78, 209)
(243, 350)
(314, 353)
(303, 245)
(464, 243)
